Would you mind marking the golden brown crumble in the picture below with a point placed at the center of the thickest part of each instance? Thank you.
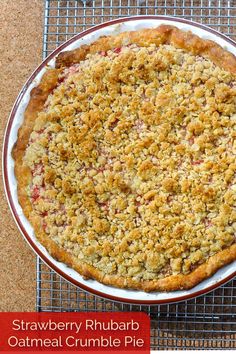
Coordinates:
(133, 161)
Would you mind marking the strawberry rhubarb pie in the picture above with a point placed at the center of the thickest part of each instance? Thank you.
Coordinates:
(125, 161)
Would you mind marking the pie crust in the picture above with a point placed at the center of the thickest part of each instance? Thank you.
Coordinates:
(198, 173)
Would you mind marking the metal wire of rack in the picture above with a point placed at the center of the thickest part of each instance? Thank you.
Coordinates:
(207, 322)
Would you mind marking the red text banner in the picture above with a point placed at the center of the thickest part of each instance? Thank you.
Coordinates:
(94, 332)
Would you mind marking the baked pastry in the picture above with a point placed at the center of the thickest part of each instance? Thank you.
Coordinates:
(125, 160)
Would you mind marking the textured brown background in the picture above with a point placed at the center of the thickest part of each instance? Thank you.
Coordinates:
(21, 51)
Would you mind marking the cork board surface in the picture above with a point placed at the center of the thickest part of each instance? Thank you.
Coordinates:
(21, 51)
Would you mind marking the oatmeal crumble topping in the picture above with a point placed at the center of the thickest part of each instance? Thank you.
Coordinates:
(133, 161)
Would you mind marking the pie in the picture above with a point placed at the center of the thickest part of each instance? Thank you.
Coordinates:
(125, 161)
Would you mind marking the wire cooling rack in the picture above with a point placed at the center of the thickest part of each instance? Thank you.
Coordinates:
(205, 322)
